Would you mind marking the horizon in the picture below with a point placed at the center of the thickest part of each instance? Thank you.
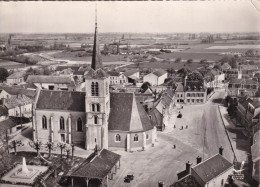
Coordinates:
(164, 17)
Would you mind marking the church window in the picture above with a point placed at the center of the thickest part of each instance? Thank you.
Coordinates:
(118, 138)
(62, 126)
(95, 120)
(44, 122)
(95, 107)
(136, 138)
(94, 89)
(79, 125)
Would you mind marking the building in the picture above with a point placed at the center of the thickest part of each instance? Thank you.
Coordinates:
(255, 152)
(213, 78)
(15, 78)
(233, 73)
(248, 70)
(214, 171)
(156, 78)
(117, 77)
(93, 117)
(9, 91)
(129, 126)
(19, 106)
(242, 87)
(52, 82)
(225, 66)
(96, 170)
(192, 92)
(132, 75)
(8, 127)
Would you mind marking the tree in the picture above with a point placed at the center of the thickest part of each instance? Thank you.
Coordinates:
(50, 147)
(217, 66)
(62, 146)
(37, 145)
(145, 86)
(46, 71)
(14, 144)
(3, 74)
(203, 61)
(68, 150)
(257, 75)
(178, 60)
(171, 71)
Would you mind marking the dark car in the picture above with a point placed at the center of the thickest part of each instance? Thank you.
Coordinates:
(130, 176)
(127, 180)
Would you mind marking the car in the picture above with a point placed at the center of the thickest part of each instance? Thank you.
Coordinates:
(130, 176)
(127, 180)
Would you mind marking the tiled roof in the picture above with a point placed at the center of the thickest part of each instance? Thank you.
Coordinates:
(248, 67)
(16, 75)
(212, 167)
(78, 72)
(99, 73)
(113, 73)
(131, 72)
(159, 72)
(127, 114)
(61, 100)
(226, 66)
(243, 81)
(49, 79)
(17, 100)
(6, 124)
(15, 91)
(194, 86)
(235, 81)
(96, 166)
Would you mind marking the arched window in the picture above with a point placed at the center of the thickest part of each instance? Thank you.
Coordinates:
(44, 122)
(118, 138)
(79, 125)
(95, 107)
(136, 138)
(95, 120)
(62, 126)
(94, 89)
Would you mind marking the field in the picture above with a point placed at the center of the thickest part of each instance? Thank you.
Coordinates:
(10, 64)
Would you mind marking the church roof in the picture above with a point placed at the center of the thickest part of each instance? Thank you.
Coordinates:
(100, 73)
(127, 114)
(15, 91)
(96, 166)
(61, 100)
(49, 79)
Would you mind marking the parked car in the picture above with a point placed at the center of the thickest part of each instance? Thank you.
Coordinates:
(127, 180)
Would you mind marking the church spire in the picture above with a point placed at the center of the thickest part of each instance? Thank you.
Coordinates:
(96, 56)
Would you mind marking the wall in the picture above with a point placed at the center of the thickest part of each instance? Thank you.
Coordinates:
(188, 99)
(45, 134)
(20, 111)
(216, 182)
(151, 78)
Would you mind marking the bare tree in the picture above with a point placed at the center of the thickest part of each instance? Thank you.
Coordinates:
(14, 144)
(62, 146)
(50, 147)
(37, 145)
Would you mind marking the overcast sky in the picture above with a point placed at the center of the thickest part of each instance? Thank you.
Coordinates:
(156, 17)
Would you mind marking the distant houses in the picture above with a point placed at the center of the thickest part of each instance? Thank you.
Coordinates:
(52, 82)
(243, 87)
(156, 78)
(117, 77)
(15, 78)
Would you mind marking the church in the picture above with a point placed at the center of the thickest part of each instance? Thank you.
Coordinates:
(114, 121)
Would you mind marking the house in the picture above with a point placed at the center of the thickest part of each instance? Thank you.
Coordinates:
(19, 106)
(96, 170)
(52, 82)
(156, 78)
(213, 78)
(66, 70)
(15, 78)
(93, 117)
(242, 87)
(117, 77)
(8, 91)
(242, 109)
(214, 171)
(233, 73)
(132, 75)
(225, 66)
(248, 70)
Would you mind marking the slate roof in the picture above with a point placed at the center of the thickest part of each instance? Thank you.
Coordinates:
(159, 72)
(99, 73)
(114, 73)
(6, 124)
(61, 100)
(16, 75)
(15, 91)
(194, 86)
(131, 72)
(17, 100)
(212, 167)
(127, 114)
(96, 166)
(49, 79)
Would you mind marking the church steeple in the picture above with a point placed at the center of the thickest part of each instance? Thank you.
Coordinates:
(96, 56)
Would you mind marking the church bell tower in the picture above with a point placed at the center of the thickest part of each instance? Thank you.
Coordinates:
(97, 101)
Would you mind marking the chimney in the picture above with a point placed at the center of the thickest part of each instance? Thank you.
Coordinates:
(199, 159)
(188, 166)
(220, 150)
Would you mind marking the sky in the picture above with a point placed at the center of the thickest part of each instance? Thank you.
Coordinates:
(130, 17)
